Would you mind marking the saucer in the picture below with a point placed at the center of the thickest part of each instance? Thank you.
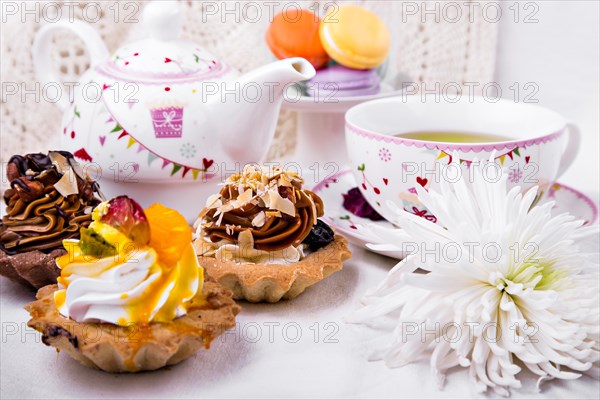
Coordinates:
(371, 235)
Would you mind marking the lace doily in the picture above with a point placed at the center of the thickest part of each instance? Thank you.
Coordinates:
(428, 52)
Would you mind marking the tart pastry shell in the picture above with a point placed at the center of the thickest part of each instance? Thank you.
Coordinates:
(114, 348)
(273, 282)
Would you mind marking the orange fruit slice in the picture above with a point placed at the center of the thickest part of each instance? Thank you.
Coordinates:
(169, 233)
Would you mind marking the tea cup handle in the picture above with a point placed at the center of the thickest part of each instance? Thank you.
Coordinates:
(41, 51)
(572, 148)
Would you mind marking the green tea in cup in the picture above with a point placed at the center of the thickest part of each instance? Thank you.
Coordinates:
(454, 137)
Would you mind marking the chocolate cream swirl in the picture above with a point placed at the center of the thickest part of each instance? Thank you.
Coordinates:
(271, 205)
(42, 208)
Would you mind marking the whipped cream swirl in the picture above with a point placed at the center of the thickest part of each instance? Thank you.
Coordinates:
(133, 286)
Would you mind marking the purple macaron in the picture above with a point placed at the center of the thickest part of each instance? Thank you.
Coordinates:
(339, 81)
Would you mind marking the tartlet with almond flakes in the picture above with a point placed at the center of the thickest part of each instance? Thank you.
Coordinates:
(261, 236)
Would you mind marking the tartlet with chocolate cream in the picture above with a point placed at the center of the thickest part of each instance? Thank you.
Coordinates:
(49, 199)
(260, 236)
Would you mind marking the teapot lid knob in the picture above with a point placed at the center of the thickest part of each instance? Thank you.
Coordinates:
(163, 19)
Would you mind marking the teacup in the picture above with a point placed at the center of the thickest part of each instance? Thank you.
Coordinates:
(539, 145)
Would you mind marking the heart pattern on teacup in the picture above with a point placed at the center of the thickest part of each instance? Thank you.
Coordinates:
(422, 181)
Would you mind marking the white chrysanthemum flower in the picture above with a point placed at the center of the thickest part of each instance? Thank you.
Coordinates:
(504, 281)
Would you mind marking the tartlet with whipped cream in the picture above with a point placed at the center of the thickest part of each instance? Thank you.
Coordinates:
(131, 295)
(50, 198)
(260, 236)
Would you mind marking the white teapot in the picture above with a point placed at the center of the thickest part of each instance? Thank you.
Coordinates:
(161, 119)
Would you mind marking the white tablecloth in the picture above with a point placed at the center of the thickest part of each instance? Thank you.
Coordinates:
(299, 349)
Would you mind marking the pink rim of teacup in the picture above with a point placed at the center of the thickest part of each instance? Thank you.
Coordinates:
(465, 147)
(474, 147)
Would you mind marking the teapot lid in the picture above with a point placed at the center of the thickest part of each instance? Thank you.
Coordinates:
(162, 55)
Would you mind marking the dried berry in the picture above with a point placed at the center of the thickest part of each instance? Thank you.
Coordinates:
(355, 202)
(54, 331)
(320, 236)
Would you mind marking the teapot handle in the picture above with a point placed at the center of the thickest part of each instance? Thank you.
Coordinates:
(41, 51)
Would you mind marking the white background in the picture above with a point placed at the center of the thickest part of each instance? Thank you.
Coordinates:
(560, 53)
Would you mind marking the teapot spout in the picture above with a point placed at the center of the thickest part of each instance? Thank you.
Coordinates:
(252, 120)
(280, 73)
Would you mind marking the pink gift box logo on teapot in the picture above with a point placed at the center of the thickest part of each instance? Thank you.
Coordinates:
(167, 118)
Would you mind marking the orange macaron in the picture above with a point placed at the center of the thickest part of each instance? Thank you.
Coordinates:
(295, 33)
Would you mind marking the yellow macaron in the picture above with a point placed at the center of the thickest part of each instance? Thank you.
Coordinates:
(355, 37)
